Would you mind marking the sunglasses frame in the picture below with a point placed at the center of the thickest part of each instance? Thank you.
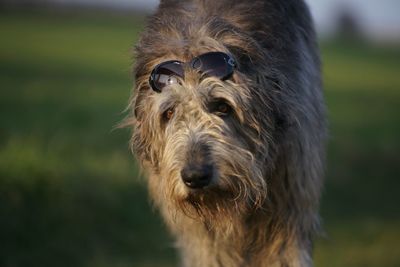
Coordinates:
(229, 60)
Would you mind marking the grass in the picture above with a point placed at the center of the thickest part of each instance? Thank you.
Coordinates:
(69, 192)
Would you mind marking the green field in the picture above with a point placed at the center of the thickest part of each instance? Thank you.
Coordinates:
(69, 189)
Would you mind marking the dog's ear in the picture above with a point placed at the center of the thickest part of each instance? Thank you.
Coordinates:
(136, 105)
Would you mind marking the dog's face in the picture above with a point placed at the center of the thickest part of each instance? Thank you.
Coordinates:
(201, 143)
(203, 140)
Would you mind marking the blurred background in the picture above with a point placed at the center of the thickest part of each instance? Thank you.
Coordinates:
(70, 192)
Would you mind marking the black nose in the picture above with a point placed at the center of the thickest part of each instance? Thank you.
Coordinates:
(197, 177)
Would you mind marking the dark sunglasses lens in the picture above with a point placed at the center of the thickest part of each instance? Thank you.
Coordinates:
(166, 74)
(215, 64)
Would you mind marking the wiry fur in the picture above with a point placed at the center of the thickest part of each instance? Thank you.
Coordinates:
(261, 208)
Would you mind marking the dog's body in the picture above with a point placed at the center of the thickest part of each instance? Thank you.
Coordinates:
(264, 157)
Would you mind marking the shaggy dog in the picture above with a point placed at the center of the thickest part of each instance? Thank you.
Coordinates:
(228, 124)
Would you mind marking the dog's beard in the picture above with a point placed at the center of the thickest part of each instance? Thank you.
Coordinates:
(213, 200)
(213, 207)
(237, 189)
(220, 206)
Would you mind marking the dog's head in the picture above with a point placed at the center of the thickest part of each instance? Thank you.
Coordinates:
(204, 139)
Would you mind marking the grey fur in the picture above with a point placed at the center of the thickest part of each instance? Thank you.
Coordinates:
(261, 208)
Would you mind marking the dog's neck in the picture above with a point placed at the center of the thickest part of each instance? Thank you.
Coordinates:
(239, 243)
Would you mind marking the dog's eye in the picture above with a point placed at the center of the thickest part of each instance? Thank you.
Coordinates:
(223, 108)
(167, 115)
(220, 108)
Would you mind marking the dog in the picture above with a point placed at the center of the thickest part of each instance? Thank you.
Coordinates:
(229, 126)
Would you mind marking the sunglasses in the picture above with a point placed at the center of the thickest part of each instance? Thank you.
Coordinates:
(212, 64)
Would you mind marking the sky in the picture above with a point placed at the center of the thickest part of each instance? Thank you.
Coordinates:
(380, 19)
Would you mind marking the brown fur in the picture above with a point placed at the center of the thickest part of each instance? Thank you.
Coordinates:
(262, 206)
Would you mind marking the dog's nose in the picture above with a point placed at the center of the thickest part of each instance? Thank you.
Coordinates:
(196, 177)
